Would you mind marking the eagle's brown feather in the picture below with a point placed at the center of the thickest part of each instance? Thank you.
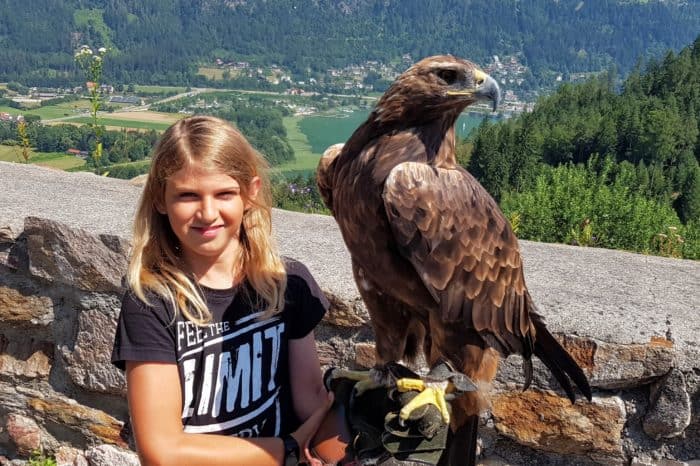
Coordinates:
(477, 281)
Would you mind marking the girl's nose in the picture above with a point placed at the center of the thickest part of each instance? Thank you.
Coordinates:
(207, 210)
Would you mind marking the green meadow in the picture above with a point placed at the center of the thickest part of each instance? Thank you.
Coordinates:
(160, 89)
(66, 109)
(57, 160)
(305, 156)
(113, 122)
(10, 110)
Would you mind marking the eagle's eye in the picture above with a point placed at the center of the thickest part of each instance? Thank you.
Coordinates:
(449, 76)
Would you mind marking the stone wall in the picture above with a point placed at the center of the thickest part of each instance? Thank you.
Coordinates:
(631, 321)
(59, 299)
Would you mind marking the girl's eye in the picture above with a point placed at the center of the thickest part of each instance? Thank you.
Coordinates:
(228, 195)
(186, 196)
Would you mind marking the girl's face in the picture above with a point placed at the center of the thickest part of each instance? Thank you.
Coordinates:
(205, 210)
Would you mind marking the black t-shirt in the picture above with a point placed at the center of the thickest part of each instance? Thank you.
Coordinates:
(234, 372)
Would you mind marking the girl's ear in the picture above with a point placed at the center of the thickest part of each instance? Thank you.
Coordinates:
(160, 206)
(253, 190)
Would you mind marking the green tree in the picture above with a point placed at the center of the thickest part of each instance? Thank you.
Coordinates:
(689, 198)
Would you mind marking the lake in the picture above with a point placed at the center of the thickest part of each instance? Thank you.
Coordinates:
(324, 131)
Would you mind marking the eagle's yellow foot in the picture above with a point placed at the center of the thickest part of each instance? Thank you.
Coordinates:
(432, 392)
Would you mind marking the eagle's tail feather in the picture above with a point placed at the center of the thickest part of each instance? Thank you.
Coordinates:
(527, 369)
(558, 360)
(461, 444)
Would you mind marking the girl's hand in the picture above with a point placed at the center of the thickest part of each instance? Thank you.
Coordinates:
(306, 431)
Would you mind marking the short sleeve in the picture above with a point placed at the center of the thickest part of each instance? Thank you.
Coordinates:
(305, 304)
(144, 333)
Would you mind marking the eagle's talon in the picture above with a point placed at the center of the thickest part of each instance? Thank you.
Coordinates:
(433, 393)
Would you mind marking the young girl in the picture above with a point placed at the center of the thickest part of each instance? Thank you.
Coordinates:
(216, 331)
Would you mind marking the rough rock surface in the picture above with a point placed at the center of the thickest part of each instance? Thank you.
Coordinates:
(68, 456)
(75, 257)
(89, 362)
(107, 455)
(670, 409)
(24, 433)
(550, 422)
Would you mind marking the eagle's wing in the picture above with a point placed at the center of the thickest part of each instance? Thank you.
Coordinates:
(464, 251)
(324, 173)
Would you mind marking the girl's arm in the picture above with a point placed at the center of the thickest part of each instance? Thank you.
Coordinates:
(308, 392)
(155, 402)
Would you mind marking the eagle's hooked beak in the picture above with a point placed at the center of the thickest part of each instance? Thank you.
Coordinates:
(485, 88)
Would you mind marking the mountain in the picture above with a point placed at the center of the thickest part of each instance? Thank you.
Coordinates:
(163, 41)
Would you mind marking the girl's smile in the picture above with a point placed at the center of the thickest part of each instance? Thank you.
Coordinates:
(208, 232)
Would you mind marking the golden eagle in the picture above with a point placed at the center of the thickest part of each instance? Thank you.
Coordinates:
(436, 262)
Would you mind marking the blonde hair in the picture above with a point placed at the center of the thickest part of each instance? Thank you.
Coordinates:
(155, 264)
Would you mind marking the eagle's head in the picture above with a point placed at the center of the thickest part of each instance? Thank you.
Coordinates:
(441, 86)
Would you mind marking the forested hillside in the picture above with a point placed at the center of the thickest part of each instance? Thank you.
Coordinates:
(594, 166)
(163, 41)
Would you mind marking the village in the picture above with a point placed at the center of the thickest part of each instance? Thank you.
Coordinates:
(364, 78)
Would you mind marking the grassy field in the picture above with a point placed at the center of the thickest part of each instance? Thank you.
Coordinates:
(153, 117)
(160, 89)
(58, 160)
(141, 166)
(117, 123)
(61, 110)
(11, 153)
(10, 110)
(306, 160)
(52, 111)
(138, 163)
(130, 120)
(49, 159)
(215, 74)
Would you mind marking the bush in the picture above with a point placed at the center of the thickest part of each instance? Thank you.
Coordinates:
(38, 459)
(588, 206)
(127, 172)
(690, 233)
(298, 193)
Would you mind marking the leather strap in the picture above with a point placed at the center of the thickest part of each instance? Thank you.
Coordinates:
(291, 451)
